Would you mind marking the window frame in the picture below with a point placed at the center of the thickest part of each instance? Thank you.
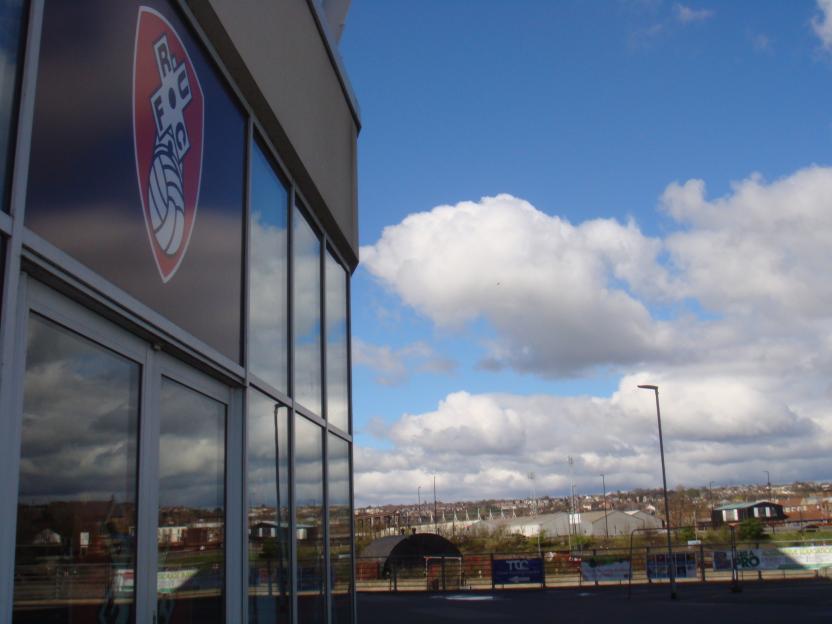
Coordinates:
(39, 298)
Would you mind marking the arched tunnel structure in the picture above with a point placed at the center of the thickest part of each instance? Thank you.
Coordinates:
(406, 551)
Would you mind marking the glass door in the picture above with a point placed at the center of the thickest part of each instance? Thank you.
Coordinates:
(78, 473)
(122, 481)
(191, 562)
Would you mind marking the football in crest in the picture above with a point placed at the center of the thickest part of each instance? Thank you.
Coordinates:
(168, 124)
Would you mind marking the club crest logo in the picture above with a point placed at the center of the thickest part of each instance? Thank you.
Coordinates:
(168, 121)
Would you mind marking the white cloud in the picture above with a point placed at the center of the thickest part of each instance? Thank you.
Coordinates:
(564, 298)
(687, 15)
(544, 284)
(482, 446)
(760, 251)
(822, 24)
(744, 386)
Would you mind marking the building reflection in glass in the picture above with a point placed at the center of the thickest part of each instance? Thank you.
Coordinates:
(76, 514)
(11, 28)
(191, 554)
(309, 495)
(268, 273)
(337, 362)
(269, 582)
(306, 254)
(340, 529)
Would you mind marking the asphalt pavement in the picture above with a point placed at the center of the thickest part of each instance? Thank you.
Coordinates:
(758, 603)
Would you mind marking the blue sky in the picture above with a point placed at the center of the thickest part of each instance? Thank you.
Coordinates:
(592, 116)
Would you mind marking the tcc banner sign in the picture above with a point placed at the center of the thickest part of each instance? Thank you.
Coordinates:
(515, 571)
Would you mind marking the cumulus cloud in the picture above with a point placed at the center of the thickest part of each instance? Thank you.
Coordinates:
(763, 248)
(742, 361)
(687, 15)
(544, 284)
(482, 446)
(822, 23)
(563, 298)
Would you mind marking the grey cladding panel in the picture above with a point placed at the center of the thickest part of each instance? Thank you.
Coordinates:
(286, 61)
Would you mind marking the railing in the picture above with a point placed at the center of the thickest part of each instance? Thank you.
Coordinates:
(697, 563)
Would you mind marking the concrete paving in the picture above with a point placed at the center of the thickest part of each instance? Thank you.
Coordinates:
(775, 602)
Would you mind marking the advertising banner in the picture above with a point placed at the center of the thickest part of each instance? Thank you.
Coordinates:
(605, 569)
(784, 558)
(514, 571)
(685, 565)
(168, 581)
(137, 167)
(124, 581)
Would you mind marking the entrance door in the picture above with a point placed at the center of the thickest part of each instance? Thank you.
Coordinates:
(121, 511)
(191, 562)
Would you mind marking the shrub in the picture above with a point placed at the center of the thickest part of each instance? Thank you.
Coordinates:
(751, 529)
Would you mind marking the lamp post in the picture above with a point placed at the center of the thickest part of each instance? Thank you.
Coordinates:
(532, 477)
(604, 487)
(435, 519)
(670, 563)
(572, 510)
(711, 500)
(534, 512)
(419, 505)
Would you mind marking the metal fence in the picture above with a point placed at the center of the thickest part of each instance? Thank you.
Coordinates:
(753, 561)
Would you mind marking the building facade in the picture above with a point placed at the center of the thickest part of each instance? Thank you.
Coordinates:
(733, 513)
(558, 524)
(178, 228)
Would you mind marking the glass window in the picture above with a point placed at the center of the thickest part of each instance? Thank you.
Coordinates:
(306, 256)
(268, 289)
(309, 498)
(337, 361)
(11, 38)
(191, 529)
(340, 529)
(268, 511)
(76, 510)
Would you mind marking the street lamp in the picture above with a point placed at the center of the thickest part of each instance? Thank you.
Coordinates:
(419, 505)
(534, 511)
(572, 511)
(711, 499)
(532, 501)
(670, 563)
(435, 520)
(604, 487)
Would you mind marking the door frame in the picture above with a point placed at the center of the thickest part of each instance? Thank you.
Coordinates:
(37, 297)
(163, 365)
